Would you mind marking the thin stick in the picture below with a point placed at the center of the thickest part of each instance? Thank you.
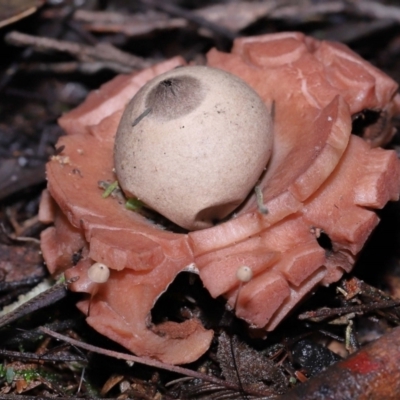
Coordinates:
(85, 53)
(235, 366)
(140, 360)
(360, 308)
(192, 17)
(44, 299)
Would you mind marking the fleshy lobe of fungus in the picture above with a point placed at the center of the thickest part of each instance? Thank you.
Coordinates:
(320, 179)
(192, 143)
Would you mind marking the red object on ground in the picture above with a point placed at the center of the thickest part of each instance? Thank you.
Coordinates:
(320, 179)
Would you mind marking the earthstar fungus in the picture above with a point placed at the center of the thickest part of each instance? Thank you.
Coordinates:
(321, 180)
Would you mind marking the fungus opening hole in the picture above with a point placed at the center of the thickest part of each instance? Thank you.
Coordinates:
(175, 97)
(363, 119)
(325, 241)
(167, 82)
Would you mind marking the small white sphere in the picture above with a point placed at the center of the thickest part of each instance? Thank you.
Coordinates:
(244, 273)
(98, 273)
(192, 143)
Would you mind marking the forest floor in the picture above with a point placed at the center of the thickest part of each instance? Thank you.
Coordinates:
(50, 62)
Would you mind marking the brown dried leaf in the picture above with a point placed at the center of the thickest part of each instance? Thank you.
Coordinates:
(19, 263)
(248, 368)
(110, 383)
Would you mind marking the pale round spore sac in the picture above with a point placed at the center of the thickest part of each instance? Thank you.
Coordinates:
(244, 273)
(98, 273)
(192, 144)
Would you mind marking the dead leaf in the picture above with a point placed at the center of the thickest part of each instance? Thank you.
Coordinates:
(19, 264)
(248, 368)
(110, 383)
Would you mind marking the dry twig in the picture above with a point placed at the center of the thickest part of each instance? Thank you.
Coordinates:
(145, 361)
(320, 315)
(104, 53)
